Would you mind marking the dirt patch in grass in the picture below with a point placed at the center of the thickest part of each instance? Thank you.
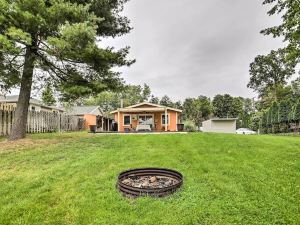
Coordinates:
(23, 144)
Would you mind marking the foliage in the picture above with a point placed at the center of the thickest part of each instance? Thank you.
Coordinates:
(61, 37)
(48, 96)
(197, 109)
(166, 101)
(285, 108)
(226, 106)
(289, 29)
(247, 111)
(254, 121)
(189, 126)
(130, 95)
(296, 111)
(280, 116)
(269, 73)
(154, 100)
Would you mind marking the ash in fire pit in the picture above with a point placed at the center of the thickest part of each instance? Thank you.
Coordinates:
(149, 181)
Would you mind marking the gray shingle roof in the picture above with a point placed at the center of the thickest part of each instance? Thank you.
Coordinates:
(15, 98)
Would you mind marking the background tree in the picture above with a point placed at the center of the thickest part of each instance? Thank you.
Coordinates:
(247, 111)
(269, 73)
(226, 106)
(130, 94)
(196, 110)
(275, 117)
(285, 108)
(289, 29)
(254, 121)
(57, 41)
(146, 92)
(166, 101)
(48, 96)
(296, 113)
(187, 109)
(154, 100)
(264, 122)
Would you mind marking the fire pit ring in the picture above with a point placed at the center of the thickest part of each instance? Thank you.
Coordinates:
(160, 182)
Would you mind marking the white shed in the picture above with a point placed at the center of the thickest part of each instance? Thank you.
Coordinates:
(220, 125)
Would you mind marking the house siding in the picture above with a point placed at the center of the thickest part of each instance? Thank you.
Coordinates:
(157, 120)
(90, 120)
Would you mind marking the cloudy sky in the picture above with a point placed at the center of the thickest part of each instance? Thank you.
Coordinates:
(187, 48)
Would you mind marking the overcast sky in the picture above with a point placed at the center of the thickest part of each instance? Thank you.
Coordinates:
(187, 48)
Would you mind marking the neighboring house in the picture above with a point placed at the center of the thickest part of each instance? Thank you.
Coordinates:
(92, 115)
(220, 125)
(10, 102)
(147, 116)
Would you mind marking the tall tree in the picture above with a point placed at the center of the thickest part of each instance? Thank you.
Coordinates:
(130, 95)
(196, 109)
(225, 106)
(275, 117)
(146, 93)
(166, 101)
(269, 73)
(48, 96)
(57, 40)
(285, 107)
(296, 112)
(154, 100)
(289, 29)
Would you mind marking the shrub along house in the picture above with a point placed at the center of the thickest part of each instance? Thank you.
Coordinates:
(147, 117)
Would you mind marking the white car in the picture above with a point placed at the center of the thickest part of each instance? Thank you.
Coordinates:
(245, 131)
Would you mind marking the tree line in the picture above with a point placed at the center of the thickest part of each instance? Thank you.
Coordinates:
(195, 110)
(282, 117)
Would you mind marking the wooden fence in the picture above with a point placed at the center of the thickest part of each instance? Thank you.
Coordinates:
(41, 122)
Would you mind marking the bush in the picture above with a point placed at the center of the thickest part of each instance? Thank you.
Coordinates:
(189, 126)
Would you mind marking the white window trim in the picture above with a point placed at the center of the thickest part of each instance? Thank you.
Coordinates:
(124, 120)
(146, 115)
(161, 121)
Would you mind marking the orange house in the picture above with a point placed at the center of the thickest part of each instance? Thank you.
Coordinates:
(147, 117)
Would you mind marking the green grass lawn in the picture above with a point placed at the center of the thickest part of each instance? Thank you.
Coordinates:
(228, 179)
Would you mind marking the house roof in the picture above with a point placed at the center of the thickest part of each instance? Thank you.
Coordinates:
(223, 119)
(152, 108)
(82, 110)
(33, 101)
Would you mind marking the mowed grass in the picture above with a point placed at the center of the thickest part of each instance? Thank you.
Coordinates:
(228, 179)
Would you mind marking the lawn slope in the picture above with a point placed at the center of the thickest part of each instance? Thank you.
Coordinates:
(228, 179)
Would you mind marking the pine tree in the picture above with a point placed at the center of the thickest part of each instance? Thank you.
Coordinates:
(275, 119)
(60, 39)
(285, 108)
(296, 114)
(48, 96)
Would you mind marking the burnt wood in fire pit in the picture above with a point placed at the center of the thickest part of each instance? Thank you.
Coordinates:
(149, 182)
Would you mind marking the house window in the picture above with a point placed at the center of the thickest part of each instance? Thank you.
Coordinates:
(127, 119)
(33, 108)
(163, 119)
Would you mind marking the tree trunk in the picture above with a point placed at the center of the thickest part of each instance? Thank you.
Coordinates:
(20, 120)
